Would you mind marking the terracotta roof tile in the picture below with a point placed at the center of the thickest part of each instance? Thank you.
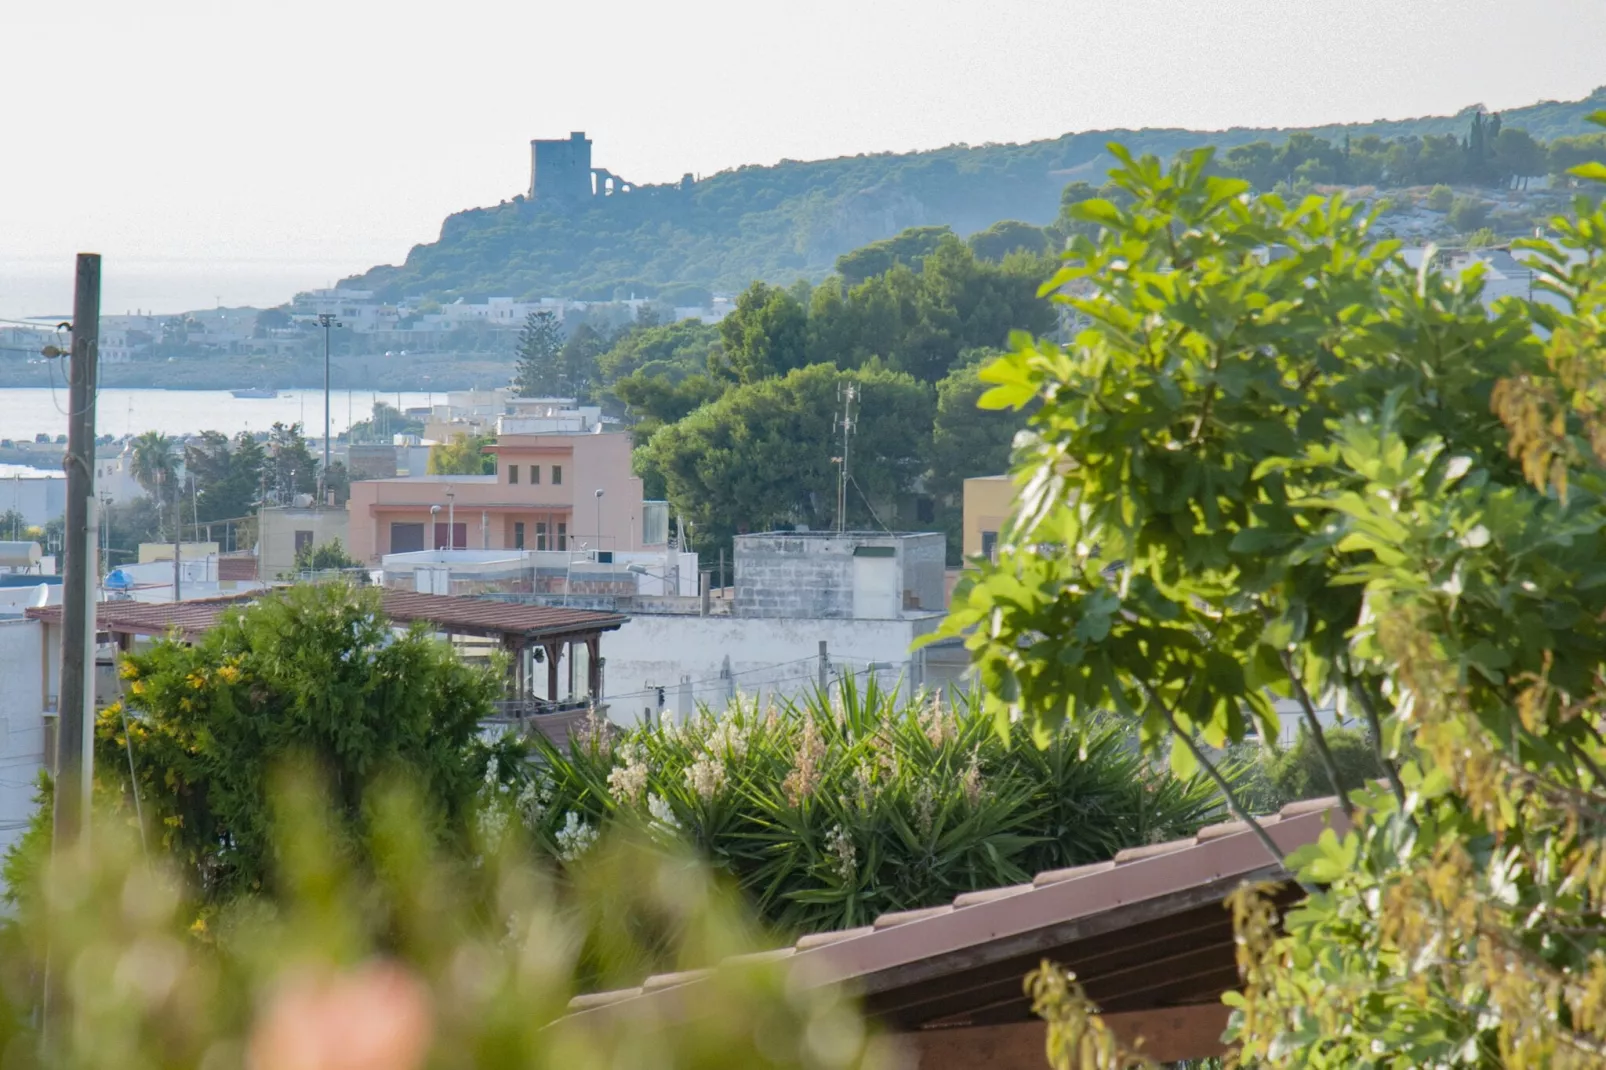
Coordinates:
(1152, 850)
(759, 957)
(815, 940)
(1232, 828)
(1309, 806)
(1056, 876)
(904, 917)
(601, 999)
(670, 980)
(987, 895)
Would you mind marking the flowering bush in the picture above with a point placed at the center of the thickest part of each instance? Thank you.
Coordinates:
(829, 814)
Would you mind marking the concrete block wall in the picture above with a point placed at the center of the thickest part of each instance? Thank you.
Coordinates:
(925, 559)
(785, 574)
(810, 574)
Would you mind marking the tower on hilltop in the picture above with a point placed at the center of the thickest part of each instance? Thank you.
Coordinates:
(560, 170)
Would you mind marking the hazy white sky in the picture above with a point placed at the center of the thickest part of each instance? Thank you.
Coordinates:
(241, 149)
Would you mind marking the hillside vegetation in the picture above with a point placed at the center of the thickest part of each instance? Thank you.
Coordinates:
(793, 220)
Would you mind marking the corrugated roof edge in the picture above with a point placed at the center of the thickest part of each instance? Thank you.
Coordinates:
(1141, 873)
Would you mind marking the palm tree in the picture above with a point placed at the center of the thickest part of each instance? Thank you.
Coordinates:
(155, 466)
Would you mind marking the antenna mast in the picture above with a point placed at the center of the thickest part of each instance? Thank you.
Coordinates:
(846, 393)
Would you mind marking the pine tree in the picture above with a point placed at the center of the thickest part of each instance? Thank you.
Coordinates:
(540, 370)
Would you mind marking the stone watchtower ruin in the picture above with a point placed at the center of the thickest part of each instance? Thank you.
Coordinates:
(560, 170)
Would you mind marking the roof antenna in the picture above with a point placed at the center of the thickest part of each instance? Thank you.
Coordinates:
(846, 394)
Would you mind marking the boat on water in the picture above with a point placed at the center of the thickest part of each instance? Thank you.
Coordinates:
(255, 392)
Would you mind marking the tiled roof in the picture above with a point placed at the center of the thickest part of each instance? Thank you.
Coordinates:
(504, 618)
(902, 960)
(190, 617)
(466, 615)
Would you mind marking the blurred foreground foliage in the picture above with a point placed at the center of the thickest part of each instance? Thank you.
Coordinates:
(413, 957)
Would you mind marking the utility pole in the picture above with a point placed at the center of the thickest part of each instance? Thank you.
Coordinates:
(178, 536)
(846, 393)
(326, 320)
(75, 711)
(825, 666)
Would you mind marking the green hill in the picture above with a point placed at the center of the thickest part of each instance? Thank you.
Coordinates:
(792, 220)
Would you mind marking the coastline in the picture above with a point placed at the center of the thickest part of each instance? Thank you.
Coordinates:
(410, 373)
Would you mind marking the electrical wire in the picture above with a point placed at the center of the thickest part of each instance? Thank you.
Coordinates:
(36, 325)
(867, 504)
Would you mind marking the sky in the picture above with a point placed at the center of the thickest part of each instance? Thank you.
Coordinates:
(238, 151)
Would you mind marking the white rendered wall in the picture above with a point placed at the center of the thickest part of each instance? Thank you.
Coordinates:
(687, 655)
(22, 727)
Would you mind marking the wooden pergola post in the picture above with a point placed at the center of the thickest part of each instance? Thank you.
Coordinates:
(594, 667)
(553, 651)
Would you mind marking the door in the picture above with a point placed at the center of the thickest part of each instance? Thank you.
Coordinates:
(459, 540)
(406, 538)
(875, 583)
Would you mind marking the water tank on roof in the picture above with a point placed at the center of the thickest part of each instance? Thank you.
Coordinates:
(19, 554)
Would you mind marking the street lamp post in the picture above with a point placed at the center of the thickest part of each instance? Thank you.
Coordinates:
(599, 518)
(326, 320)
(451, 519)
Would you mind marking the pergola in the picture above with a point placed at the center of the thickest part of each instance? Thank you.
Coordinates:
(519, 629)
(1146, 934)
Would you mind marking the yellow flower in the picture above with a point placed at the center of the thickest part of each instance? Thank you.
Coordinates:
(137, 687)
(127, 670)
(195, 680)
(229, 674)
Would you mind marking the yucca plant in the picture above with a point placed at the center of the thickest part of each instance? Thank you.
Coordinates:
(829, 811)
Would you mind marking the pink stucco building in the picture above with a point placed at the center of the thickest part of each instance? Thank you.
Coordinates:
(544, 496)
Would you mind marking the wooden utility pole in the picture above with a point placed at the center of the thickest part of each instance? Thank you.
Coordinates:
(75, 711)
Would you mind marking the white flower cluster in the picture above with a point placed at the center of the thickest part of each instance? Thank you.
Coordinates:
(728, 741)
(658, 807)
(628, 782)
(492, 824)
(706, 776)
(575, 838)
(533, 800)
(847, 855)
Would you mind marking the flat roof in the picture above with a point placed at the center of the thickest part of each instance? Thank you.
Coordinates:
(464, 616)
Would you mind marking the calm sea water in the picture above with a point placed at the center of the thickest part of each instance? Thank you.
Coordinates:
(28, 411)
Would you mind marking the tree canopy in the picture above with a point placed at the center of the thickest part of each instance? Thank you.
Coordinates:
(759, 457)
(1327, 477)
(312, 674)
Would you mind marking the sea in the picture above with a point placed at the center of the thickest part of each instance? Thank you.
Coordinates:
(29, 411)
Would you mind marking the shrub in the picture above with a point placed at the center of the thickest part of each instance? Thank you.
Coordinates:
(1468, 214)
(1440, 198)
(829, 814)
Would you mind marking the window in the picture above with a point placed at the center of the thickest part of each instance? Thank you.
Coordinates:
(535, 474)
(406, 538)
(563, 535)
(512, 473)
(557, 474)
(989, 544)
(540, 535)
(303, 541)
(518, 535)
(458, 537)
